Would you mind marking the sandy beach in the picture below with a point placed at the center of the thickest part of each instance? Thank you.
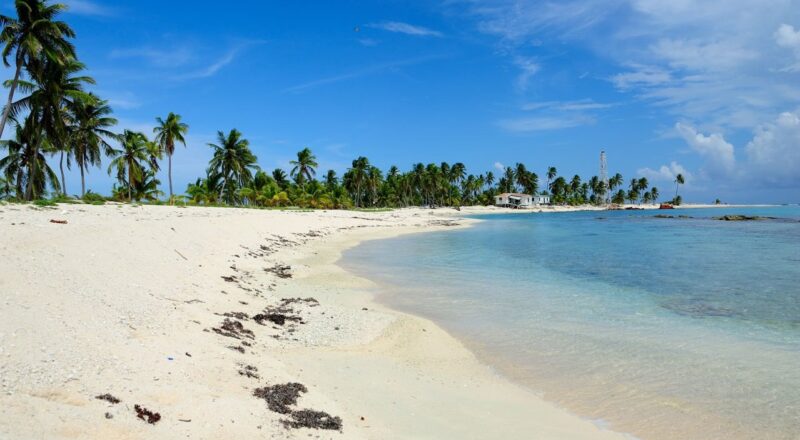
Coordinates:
(185, 312)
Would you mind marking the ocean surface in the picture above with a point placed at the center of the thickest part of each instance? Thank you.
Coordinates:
(664, 328)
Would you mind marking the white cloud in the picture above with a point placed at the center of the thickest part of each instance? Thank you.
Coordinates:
(543, 123)
(213, 68)
(788, 38)
(579, 105)
(173, 57)
(718, 152)
(405, 28)
(774, 151)
(499, 166)
(85, 7)
(366, 71)
(528, 67)
(666, 173)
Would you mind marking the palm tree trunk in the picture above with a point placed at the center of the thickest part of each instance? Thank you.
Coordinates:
(169, 173)
(130, 184)
(63, 180)
(83, 183)
(11, 93)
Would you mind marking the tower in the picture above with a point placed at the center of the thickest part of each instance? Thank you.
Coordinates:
(604, 175)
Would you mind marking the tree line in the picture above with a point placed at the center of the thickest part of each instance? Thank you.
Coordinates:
(55, 116)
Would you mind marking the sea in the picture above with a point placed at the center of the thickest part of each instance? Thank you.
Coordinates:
(661, 324)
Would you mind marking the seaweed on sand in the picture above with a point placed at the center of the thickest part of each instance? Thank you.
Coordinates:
(309, 418)
(280, 397)
(233, 329)
(108, 398)
(147, 415)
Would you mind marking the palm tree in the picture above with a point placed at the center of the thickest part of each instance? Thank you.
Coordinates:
(130, 160)
(280, 177)
(304, 167)
(678, 181)
(25, 165)
(233, 162)
(168, 132)
(54, 90)
(331, 181)
(552, 172)
(33, 34)
(89, 134)
(358, 174)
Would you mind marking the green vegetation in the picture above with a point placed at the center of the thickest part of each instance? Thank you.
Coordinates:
(57, 118)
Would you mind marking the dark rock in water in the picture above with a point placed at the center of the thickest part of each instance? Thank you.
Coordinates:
(741, 218)
(308, 418)
(701, 310)
(663, 216)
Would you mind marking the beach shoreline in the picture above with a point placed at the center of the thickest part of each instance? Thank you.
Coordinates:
(131, 301)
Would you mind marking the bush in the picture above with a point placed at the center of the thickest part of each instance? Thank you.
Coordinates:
(93, 198)
(44, 202)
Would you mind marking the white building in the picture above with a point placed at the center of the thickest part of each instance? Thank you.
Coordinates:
(518, 200)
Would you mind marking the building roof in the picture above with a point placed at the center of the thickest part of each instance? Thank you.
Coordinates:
(513, 194)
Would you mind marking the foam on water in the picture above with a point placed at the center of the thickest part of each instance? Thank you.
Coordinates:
(665, 328)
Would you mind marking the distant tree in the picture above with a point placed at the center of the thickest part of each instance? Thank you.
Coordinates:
(678, 181)
(168, 132)
(304, 168)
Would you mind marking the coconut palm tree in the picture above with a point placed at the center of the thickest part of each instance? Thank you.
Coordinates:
(358, 177)
(280, 177)
(53, 90)
(233, 162)
(130, 160)
(89, 134)
(552, 172)
(33, 34)
(304, 168)
(678, 181)
(168, 132)
(25, 165)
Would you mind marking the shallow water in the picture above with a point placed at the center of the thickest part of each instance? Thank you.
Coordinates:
(663, 328)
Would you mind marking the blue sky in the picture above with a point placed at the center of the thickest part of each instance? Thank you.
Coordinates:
(709, 89)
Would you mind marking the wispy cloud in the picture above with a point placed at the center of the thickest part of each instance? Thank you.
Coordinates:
(544, 123)
(528, 67)
(86, 7)
(366, 71)
(405, 28)
(213, 68)
(173, 57)
(579, 105)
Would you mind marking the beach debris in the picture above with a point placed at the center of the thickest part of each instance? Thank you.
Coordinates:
(311, 302)
(238, 315)
(249, 371)
(109, 415)
(60, 222)
(185, 420)
(281, 397)
(146, 415)
(282, 271)
(233, 329)
(309, 418)
(276, 318)
(230, 279)
(188, 355)
(238, 348)
(108, 398)
(182, 256)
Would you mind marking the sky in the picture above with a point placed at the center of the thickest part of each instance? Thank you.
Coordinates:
(708, 89)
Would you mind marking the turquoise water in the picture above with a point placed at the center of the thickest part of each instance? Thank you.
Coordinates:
(663, 328)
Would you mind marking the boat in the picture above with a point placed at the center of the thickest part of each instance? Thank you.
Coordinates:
(665, 206)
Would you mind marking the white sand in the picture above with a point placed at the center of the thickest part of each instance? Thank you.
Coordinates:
(119, 300)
